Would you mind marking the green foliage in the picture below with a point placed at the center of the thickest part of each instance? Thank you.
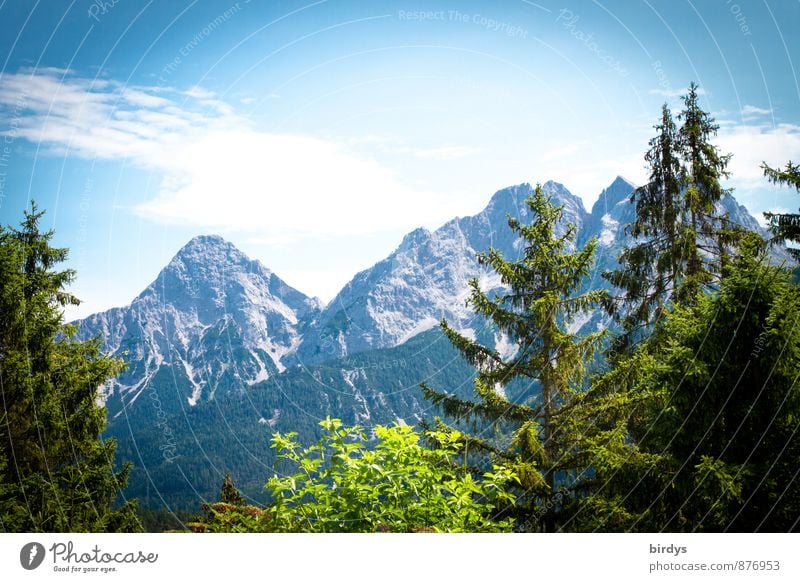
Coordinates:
(555, 438)
(682, 243)
(708, 234)
(786, 226)
(56, 474)
(718, 381)
(652, 267)
(340, 484)
(229, 493)
(230, 514)
(163, 520)
(710, 396)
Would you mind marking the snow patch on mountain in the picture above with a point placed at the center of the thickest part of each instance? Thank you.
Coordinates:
(197, 388)
(272, 420)
(505, 348)
(362, 412)
(609, 233)
(213, 317)
(578, 321)
(422, 326)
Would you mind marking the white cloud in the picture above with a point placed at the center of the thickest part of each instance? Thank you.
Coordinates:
(447, 152)
(752, 110)
(199, 93)
(284, 186)
(141, 98)
(218, 172)
(96, 118)
(753, 144)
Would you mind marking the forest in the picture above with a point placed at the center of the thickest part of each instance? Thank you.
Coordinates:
(682, 416)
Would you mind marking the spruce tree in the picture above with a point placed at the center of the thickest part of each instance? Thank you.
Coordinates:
(56, 474)
(708, 235)
(229, 493)
(682, 241)
(652, 266)
(721, 376)
(544, 293)
(785, 226)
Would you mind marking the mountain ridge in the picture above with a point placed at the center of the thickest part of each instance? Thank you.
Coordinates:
(228, 353)
(426, 275)
(216, 319)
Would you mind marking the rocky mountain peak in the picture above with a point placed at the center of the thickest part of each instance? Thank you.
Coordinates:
(216, 319)
(508, 200)
(415, 237)
(616, 194)
(213, 319)
(212, 257)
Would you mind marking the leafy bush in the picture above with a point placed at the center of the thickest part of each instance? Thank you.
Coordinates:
(399, 485)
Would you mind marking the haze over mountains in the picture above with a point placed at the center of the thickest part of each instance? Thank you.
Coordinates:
(227, 352)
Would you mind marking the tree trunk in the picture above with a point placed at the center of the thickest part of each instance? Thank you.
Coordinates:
(549, 446)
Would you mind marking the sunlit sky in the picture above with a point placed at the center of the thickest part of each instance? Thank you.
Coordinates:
(314, 135)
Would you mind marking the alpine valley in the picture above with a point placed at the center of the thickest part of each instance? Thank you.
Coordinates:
(222, 353)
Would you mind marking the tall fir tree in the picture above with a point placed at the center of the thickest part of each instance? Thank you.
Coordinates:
(682, 240)
(56, 474)
(679, 380)
(550, 450)
(785, 226)
(709, 235)
(652, 267)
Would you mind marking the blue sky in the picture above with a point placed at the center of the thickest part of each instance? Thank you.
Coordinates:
(314, 135)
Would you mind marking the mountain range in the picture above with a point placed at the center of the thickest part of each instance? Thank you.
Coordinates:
(222, 352)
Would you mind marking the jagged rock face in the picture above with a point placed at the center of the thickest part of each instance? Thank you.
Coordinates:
(212, 318)
(216, 320)
(425, 279)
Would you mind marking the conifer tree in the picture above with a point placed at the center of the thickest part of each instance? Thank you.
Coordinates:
(682, 241)
(707, 232)
(56, 474)
(229, 493)
(652, 267)
(544, 294)
(720, 380)
(784, 226)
